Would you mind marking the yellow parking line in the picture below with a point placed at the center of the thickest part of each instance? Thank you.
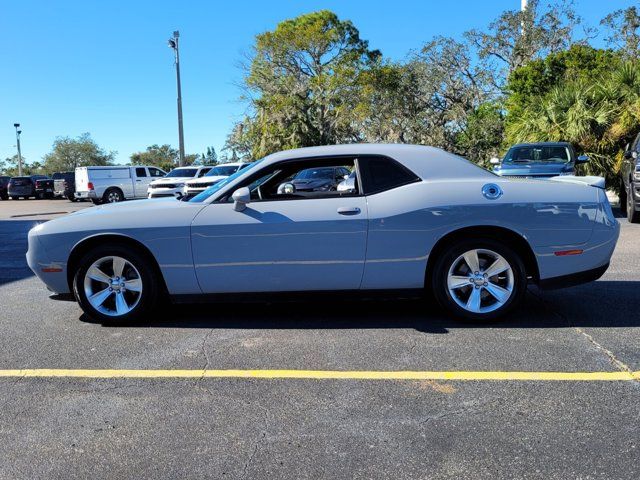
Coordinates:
(329, 375)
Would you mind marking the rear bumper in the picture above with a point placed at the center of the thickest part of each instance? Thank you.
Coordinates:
(86, 194)
(573, 278)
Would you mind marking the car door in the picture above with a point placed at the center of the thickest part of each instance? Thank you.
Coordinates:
(141, 182)
(298, 244)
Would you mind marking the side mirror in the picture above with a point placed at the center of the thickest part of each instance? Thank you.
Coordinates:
(494, 161)
(241, 198)
(582, 159)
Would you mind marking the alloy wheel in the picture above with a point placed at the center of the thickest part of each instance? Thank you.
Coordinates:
(480, 281)
(113, 286)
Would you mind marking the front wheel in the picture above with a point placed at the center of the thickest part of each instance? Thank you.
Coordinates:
(633, 216)
(115, 284)
(479, 279)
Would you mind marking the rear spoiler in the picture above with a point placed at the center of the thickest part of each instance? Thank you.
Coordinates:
(592, 181)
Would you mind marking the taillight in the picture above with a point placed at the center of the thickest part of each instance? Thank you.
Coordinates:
(90, 186)
(65, 184)
(9, 185)
(37, 183)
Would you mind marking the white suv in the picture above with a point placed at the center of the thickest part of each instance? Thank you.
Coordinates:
(173, 183)
(217, 173)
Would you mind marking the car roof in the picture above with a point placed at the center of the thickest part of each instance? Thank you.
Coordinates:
(231, 164)
(427, 162)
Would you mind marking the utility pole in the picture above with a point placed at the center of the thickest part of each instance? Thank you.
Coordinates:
(18, 132)
(173, 43)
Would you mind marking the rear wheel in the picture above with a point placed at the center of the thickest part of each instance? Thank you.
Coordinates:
(112, 195)
(632, 215)
(115, 284)
(479, 279)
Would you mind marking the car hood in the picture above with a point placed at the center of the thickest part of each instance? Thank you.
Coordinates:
(534, 168)
(312, 183)
(170, 180)
(205, 180)
(165, 213)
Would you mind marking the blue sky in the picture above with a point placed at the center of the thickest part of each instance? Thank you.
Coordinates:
(104, 67)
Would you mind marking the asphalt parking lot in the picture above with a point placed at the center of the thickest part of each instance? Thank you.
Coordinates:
(209, 426)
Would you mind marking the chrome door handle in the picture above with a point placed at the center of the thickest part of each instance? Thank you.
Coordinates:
(348, 210)
(138, 180)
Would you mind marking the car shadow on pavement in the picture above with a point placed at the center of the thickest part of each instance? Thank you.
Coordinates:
(599, 304)
(13, 246)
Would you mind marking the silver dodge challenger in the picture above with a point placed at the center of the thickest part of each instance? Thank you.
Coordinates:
(417, 218)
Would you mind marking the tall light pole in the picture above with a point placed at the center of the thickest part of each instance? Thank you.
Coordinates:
(173, 43)
(18, 132)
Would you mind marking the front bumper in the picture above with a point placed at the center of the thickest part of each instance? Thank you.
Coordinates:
(163, 192)
(52, 274)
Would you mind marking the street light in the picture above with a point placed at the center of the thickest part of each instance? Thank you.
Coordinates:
(18, 132)
(173, 44)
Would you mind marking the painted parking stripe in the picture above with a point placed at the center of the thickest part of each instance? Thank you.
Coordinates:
(329, 375)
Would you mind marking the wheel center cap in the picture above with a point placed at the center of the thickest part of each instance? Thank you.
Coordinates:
(115, 284)
(478, 280)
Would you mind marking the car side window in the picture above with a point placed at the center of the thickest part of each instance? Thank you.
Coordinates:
(203, 172)
(156, 172)
(303, 179)
(383, 173)
(141, 172)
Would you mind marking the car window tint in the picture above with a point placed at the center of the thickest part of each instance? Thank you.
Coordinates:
(382, 173)
(141, 172)
(156, 172)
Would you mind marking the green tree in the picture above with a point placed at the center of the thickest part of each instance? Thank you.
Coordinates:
(623, 27)
(580, 62)
(162, 156)
(517, 37)
(68, 153)
(303, 83)
(209, 158)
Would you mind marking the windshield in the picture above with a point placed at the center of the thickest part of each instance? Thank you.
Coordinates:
(554, 154)
(182, 172)
(201, 197)
(315, 173)
(222, 171)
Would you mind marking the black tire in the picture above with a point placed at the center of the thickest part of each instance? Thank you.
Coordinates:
(72, 198)
(633, 216)
(623, 198)
(446, 261)
(148, 298)
(96, 201)
(112, 195)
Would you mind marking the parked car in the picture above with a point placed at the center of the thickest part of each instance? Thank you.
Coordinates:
(4, 182)
(323, 179)
(23, 187)
(173, 183)
(44, 188)
(64, 185)
(217, 173)
(419, 218)
(538, 160)
(114, 184)
(630, 182)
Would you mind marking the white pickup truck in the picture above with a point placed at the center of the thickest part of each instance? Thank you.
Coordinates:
(114, 183)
